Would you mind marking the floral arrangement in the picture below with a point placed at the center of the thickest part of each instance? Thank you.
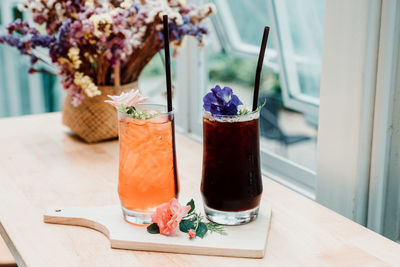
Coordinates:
(92, 41)
(222, 101)
(170, 215)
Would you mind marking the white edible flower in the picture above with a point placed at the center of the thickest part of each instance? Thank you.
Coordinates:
(128, 99)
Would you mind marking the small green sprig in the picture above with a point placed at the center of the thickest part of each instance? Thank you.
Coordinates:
(245, 111)
(132, 112)
(194, 221)
(216, 228)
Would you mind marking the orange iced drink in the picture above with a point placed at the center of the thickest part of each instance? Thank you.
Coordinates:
(146, 170)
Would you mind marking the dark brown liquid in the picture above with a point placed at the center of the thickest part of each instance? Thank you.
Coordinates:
(231, 165)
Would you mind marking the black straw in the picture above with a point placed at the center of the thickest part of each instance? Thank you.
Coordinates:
(167, 62)
(259, 67)
(169, 97)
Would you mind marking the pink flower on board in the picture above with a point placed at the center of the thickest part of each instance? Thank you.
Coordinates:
(128, 99)
(192, 233)
(168, 216)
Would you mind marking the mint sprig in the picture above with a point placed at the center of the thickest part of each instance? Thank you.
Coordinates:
(132, 112)
(194, 221)
(216, 228)
(246, 111)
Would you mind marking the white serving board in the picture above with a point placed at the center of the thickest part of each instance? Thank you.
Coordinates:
(248, 240)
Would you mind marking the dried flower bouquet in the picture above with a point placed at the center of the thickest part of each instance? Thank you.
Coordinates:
(95, 42)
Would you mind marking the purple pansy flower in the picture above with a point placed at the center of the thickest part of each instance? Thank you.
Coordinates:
(221, 101)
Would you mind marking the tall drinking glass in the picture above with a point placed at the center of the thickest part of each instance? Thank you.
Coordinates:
(147, 177)
(231, 182)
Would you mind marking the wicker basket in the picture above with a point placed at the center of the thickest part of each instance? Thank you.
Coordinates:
(94, 120)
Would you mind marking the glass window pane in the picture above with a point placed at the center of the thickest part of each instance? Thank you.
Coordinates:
(300, 27)
(152, 80)
(285, 132)
(250, 15)
(238, 23)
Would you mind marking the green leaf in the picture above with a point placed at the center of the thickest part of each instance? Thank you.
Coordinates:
(186, 225)
(153, 229)
(201, 230)
(192, 206)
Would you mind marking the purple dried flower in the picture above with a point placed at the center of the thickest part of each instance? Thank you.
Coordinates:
(20, 25)
(39, 19)
(23, 44)
(42, 40)
(10, 40)
(60, 47)
(177, 32)
(186, 19)
(76, 30)
(221, 101)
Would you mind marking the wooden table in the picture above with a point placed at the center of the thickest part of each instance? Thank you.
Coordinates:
(41, 166)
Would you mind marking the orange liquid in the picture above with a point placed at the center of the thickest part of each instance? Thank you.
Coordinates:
(146, 171)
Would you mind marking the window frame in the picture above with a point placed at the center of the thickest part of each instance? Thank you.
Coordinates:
(293, 98)
(229, 37)
(384, 200)
(357, 167)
